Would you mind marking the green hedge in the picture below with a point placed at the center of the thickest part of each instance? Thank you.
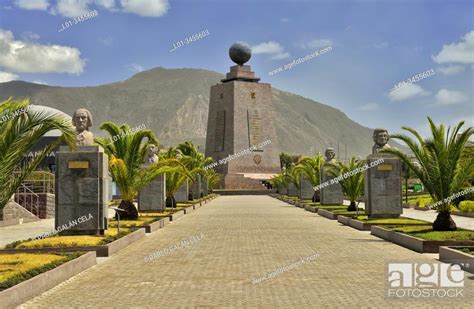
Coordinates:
(466, 206)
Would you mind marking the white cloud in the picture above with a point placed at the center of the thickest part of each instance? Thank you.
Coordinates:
(134, 67)
(316, 43)
(147, 8)
(408, 91)
(381, 45)
(451, 69)
(6, 77)
(27, 57)
(271, 48)
(41, 5)
(108, 4)
(461, 52)
(449, 97)
(29, 36)
(71, 8)
(368, 107)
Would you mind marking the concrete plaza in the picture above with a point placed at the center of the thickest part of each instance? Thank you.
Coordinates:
(245, 237)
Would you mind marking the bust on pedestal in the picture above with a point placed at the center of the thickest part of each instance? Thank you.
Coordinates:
(331, 194)
(383, 180)
(152, 197)
(82, 183)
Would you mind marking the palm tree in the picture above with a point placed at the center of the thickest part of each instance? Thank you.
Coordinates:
(280, 180)
(193, 159)
(294, 176)
(213, 177)
(310, 167)
(439, 169)
(353, 185)
(126, 157)
(21, 127)
(175, 179)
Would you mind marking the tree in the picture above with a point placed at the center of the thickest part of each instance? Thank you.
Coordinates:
(440, 168)
(193, 159)
(353, 184)
(310, 167)
(175, 179)
(21, 127)
(126, 157)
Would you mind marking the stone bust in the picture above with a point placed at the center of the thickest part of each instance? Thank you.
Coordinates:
(380, 139)
(151, 157)
(330, 155)
(82, 120)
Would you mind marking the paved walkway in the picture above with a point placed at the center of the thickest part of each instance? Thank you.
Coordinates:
(430, 216)
(244, 238)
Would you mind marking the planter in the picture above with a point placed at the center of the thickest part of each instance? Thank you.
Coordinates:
(32, 287)
(463, 214)
(150, 228)
(102, 251)
(420, 208)
(177, 215)
(328, 214)
(311, 209)
(359, 225)
(197, 205)
(451, 255)
(188, 209)
(415, 243)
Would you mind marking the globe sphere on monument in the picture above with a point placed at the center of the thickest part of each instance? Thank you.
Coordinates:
(240, 52)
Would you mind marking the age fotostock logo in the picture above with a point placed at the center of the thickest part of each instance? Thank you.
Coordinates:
(425, 280)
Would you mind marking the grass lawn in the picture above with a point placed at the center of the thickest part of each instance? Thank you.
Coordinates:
(141, 221)
(467, 250)
(313, 204)
(15, 268)
(333, 207)
(426, 232)
(346, 212)
(394, 221)
(72, 241)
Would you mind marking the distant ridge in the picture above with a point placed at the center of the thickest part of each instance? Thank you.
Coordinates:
(174, 103)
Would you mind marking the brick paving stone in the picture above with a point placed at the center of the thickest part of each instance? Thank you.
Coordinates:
(244, 238)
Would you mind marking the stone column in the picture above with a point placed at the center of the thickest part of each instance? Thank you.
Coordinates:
(332, 193)
(181, 196)
(196, 187)
(306, 188)
(152, 198)
(383, 187)
(81, 191)
(205, 186)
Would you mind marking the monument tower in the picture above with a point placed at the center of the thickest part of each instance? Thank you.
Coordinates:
(240, 123)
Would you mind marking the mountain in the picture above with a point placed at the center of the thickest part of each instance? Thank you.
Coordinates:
(174, 103)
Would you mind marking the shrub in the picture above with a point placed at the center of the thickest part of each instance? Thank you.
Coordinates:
(466, 206)
(424, 201)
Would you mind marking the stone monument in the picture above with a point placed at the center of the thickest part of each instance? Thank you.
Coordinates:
(196, 189)
(82, 183)
(306, 188)
(331, 194)
(241, 116)
(181, 196)
(383, 182)
(292, 189)
(152, 197)
(205, 187)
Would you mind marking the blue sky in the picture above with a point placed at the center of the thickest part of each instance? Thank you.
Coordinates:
(375, 44)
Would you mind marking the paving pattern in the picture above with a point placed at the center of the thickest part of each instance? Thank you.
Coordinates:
(245, 237)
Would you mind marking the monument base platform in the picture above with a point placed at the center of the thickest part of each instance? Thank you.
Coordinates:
(240, 182)
(242, 192)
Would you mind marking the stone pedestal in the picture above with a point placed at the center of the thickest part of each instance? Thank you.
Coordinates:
(181, 196)
(283, 190)
(306, 188)
(152, 198)
(292, 189)
(81, 191)
(196, 187)
(383, 187)
(332, 193)
(205, 187)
